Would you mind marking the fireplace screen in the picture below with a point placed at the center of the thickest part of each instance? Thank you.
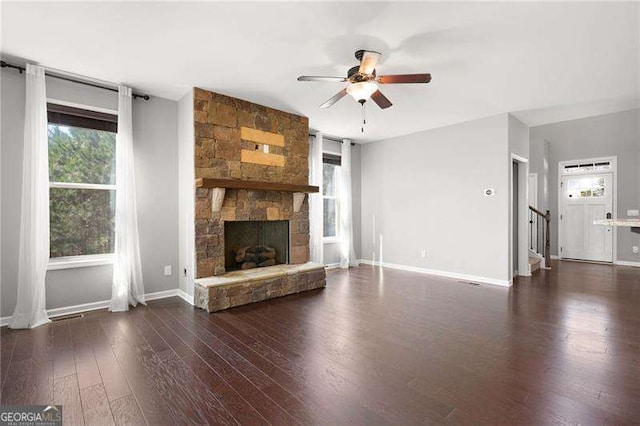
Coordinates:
(254, 244)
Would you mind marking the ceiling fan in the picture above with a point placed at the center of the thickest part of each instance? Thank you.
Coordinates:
(363, 81)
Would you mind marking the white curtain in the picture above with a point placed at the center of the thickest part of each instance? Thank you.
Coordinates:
(315, 200)
(33, 254)
(127, 288)
(347, 252)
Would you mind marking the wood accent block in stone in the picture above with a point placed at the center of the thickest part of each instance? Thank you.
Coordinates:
(259, 157)
(273, 213)
(243, 287)
(261, 137)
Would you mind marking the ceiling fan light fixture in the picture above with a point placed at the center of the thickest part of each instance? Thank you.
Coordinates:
(362, 91)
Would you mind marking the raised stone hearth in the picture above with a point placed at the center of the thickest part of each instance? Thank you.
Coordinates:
(242, 287)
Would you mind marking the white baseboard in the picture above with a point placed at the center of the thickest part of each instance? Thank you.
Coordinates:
(627, 263)
(337, 266)
(185, 296)
(617, 262)
(161, 294)
(104, 304)
(447, 274)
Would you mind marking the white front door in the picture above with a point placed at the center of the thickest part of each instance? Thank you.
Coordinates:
(586, 198)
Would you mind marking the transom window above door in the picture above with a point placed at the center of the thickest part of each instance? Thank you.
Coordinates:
(587, 167)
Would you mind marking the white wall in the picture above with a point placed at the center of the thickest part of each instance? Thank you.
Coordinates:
(155, 148)
(186, 178)
(600, 136)
(424, 191)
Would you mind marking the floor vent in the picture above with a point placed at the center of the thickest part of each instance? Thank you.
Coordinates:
(470, 283)
(67, 317)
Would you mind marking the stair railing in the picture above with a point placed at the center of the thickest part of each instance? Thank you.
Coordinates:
(539, 226)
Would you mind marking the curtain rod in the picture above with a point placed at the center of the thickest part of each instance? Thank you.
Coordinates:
(4, 64)
(332, 140)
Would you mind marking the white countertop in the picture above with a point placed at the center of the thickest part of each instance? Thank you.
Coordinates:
(618, 222)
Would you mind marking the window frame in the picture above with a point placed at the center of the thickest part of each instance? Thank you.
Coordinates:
(85, 260)
(336, 238)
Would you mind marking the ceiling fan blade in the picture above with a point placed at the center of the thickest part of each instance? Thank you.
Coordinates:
(334, 99)
(380, 99)
(404, 78)
(320, 78)
(369, 62)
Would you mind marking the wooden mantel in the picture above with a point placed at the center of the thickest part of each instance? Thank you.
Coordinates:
(218, 187)
(253, 185)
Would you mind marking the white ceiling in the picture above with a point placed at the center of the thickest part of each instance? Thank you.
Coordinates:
(544, 61)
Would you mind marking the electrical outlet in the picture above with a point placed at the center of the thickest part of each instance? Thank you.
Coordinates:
(423, 253)
(632, 213)
(635, 249)
(167, 270)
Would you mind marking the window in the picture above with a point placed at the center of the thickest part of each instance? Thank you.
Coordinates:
(587, 167)
(82, 174)
(330, 187)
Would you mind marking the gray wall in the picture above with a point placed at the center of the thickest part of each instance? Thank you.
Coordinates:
(518, 137)
(155, 139)
(539, 164)
(356, 194)
(605, 135)
(424, 191)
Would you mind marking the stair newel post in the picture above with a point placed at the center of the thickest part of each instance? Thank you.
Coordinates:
(547, 240)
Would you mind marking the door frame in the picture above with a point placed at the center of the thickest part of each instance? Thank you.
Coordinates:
(614, 202)
(523, 209)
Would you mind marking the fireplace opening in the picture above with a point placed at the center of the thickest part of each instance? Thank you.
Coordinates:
(255, 244)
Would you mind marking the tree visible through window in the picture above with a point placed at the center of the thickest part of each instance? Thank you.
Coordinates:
(82, 189)
(330, 186)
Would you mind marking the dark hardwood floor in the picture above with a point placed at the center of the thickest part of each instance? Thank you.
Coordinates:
(374, 347)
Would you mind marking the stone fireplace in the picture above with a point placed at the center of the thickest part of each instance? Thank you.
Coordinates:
(252, 177)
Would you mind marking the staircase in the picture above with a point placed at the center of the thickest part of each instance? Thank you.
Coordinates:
(539, 239)
(534, 263)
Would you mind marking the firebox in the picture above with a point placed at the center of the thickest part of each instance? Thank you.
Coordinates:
(255, 243)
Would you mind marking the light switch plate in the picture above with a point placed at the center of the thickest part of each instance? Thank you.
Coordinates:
(632, 213)
(489, 192)
(167, 270)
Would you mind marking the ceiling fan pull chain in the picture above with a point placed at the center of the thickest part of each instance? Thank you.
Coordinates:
(364, 120)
